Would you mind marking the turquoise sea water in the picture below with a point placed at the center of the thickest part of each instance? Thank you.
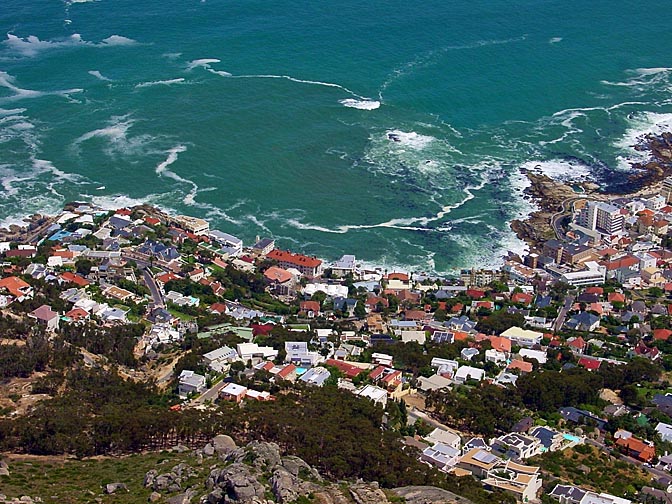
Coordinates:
(391, 130)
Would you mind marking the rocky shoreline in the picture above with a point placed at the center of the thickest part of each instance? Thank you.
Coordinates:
(553, 197)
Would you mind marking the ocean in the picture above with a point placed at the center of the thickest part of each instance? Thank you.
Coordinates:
(390, 130)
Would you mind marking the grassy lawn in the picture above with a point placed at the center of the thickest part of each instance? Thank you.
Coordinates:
(180, 315)
(78, 481)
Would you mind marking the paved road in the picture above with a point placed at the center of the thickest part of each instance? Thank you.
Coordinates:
(157, 297)
(562, 315)
(211, 394)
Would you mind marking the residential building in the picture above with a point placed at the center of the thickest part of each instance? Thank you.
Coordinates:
(478, 461)
(522, 481)
(518, 446)
(665, 431)
(315, 376)
(193, 224)
(441, 456)
(190, 383)
(465, 373)
(602, 217)
(376, 394)
(233, 392)
(18, 288)
(231, 245)
(46, 317)
(523, 337)
(449, 438)
(346, 265)
(307, 266)
(219, 359)
(569, 494)
(255, 353)
(299, 355)
(264, 246)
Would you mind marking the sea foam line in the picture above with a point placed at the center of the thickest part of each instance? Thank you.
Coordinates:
(168, 82)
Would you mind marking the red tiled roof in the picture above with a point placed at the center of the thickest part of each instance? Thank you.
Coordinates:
(595, 290)
(15, 286)
(297, 259)
(579, 343)
(152, 221)
(616, 297)
(500, 343)
(524, 366)
(262, 329)
(521, 297)
(457, 308)
(403, 277)
(68, 276)
(275, 274)
(349, 370)
(313, 306)
(414, 315)
(624, 262)
(218, 308)
(287, 370)
(661, 334)
(589, 364)
(475, 293)
(77, 314)
(642, 450)
(377, 373)
(123, 211)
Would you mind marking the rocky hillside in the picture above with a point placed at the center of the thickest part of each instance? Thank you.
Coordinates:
(222, 473)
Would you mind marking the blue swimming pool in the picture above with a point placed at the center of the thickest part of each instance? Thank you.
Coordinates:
(300, 370)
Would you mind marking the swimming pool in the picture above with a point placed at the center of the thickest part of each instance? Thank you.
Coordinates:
(300, 370)
(570, 437)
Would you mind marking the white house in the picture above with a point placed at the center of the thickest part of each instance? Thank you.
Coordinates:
(665, 431)
(190, 382)
(444, 437)
(253, 352)
(218, 359)
(465, 373)
(376, 394)
(441, 456)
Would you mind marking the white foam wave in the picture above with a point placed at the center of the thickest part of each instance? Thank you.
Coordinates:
(639, 126)
(653, 71)
(117, 40)
(555, 40)
(203, 63)
(410, 139)
(557, 169)
(8, 81)
(116, 133)
(31, 45)
(360, 104)
(168, 82)
(99, 75)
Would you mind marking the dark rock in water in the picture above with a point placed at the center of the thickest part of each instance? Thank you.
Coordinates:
(394, 137)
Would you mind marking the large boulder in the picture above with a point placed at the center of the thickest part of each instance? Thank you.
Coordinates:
(111, 488)
(258, 454)
(223, 444)
(367, 493)
(237, 483)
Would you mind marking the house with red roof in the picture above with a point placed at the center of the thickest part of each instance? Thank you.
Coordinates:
(616, 297)
(349, 370)
(308, 266)
(589, 364)
(500, 344)
(577, 345)
(69, 277)
(595, 290)
(661, 334)
(651, 353)
(287, 373)
(78, 315)
(475, 293)
(643, 451)
(19, 289)
(218, 308)
(522, 298)
(310, 309)
(520, 365)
